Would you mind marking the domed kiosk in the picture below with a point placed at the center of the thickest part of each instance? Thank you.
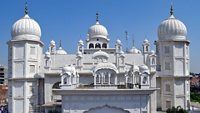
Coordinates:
(97, 36)
(172, 29)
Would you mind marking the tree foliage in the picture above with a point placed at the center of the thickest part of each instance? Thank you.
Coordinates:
(177, 109)
(53, 111)
(195, 97)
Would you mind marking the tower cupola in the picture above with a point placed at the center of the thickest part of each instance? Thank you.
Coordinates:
(172, 28)
(26, 28)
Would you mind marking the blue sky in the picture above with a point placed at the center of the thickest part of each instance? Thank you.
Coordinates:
(69, 20)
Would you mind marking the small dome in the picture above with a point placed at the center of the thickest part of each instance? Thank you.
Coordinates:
(152, 52)
(146, 41)
(69, 69)
(26, 26)
(172, 28)
(118, 42)
(134, 50)
(100, 54)
(52, 43)
(80, 42)
(144, 69)
(136, 68)
(97, 30)
(61, 51)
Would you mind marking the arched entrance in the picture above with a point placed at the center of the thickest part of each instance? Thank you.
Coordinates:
(104, 45)
(97, 45)
(106, 109)
(91, 45)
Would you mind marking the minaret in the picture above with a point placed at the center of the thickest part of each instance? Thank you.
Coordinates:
(173, 64)
(118, 52)
(146, 50)
(79, 54)
(25, 53)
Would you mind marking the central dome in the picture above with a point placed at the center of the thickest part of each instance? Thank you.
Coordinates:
(26, 26)
(97, 30)
(172, 28)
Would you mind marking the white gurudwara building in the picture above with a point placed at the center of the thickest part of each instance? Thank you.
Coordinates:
(97, 78)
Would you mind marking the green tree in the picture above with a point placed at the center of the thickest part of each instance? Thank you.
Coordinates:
(53, 111)
(177, 109)
(195, 97)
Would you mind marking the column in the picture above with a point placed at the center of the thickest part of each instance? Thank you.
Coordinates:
(101, 78)
(126, 78)
(115, 79)
(69, 80)
(62, 78)
(133, 78)
(109, 75)
(95, 75)
(77, 79)
(79, 61)
(104, 77)
(74, 79)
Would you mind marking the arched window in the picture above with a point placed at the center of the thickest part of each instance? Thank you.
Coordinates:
(97, 45)
(65, 80)
(56, 85)
(167, 88)
(98, 78)
(91, 45)
(147, 48)
(144, 81)
(137, 78)
(167, 66)
(153, 61)
(145, 78)
(104, 45)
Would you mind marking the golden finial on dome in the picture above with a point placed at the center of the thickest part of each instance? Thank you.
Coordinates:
(97, 17)
(60, 44)
(171, 9)
(26, 7)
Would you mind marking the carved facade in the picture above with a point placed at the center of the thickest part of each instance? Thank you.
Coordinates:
(97, 78)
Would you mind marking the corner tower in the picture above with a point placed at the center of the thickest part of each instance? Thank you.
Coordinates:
(173, 64)
(24, 59)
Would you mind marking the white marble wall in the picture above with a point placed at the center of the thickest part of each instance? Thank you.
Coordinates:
(82, 103)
